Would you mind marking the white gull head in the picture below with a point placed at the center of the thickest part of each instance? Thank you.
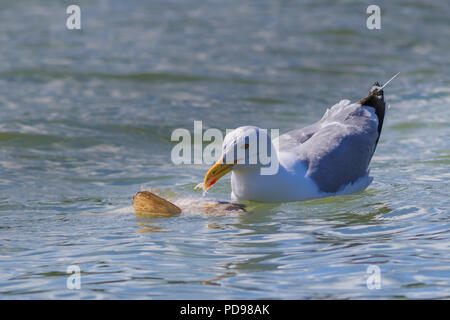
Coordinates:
(253, 158)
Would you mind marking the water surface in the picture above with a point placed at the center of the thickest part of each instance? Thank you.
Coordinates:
(86, 118)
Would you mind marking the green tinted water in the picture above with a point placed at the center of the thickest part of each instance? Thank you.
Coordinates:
(86, 118)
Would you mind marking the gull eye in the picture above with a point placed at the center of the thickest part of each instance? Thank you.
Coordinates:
(246, 146)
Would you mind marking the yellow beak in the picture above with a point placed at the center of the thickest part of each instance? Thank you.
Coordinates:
(217, 171)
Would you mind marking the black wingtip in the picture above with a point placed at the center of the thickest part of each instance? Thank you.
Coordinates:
(375, 90)
(375, 96)
(375, 99)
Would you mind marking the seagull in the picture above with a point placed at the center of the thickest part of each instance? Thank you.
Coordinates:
(328, 158)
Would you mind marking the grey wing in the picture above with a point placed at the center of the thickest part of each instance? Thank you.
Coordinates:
(291, 140)
(338, 148)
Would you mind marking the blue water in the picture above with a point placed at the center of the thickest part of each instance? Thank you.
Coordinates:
(86, 118)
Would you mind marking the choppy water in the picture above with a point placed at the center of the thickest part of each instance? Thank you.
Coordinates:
(86, 118)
